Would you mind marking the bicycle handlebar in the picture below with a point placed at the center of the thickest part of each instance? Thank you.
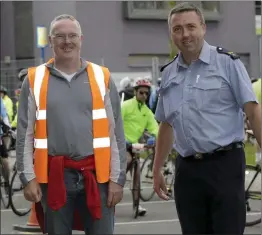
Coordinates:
(141, 147)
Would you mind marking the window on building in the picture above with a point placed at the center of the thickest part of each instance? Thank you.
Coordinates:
(159, 10)
(150, 5)
(210, 6)
(258, 6)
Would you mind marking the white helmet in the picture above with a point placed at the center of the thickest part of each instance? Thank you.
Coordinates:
(124, 83)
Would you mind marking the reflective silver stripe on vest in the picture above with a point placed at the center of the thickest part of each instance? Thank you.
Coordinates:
(40, 143)
(100, 79)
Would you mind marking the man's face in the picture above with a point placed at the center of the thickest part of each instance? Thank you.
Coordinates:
(66, 39)
(142, 94)
(187, 31)
(2, 95)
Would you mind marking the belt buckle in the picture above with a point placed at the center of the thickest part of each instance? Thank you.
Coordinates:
(198, 156)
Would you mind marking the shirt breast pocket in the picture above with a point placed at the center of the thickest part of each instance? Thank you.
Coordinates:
(207, 93)
(172, 99)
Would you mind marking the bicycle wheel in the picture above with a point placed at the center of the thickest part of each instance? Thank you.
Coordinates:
(253, 195)
(4, 196)
(4, 186)
(147, 187)
(19, 206)
(136, 188)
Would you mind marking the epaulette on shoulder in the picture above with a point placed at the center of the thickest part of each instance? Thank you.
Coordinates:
(163, 67)
(227, 52)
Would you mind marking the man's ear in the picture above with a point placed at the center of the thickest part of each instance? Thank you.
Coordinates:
(49, 40)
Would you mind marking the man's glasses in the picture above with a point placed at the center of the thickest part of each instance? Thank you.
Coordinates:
(62, 37)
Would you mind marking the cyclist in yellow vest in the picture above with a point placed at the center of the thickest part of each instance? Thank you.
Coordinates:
(21, 77)
(137, 118)
(80, 165)
(7, 102)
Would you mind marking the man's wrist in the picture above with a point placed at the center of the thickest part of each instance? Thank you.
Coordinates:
(156, 170)
(26, 178)
(116, 183)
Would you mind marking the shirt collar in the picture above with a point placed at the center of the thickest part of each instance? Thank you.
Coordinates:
(84, 64)
(205, 53)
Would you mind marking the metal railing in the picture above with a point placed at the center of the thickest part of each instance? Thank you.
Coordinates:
(9, 73)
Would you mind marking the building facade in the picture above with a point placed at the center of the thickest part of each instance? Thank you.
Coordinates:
(126, 35)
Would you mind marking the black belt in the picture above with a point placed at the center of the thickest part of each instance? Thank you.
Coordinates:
(199, 156)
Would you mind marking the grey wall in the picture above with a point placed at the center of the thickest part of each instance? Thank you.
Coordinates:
(113, 38)
(24, 31)
(236, 31)
(44, 12)
(7, 30)
(109, 36)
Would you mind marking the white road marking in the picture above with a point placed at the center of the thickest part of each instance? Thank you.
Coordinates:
(120, 204)
(147, 222)
(144, 203)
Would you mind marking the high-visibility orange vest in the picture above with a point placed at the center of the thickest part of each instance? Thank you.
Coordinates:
(98, 79)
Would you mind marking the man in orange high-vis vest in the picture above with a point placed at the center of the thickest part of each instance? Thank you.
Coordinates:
(71, 150)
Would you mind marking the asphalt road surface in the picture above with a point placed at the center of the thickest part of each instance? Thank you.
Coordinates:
(160, 219)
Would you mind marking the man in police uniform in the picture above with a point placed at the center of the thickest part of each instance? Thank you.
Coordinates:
(203, 95)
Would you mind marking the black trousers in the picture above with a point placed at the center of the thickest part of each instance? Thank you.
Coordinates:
(210, 193)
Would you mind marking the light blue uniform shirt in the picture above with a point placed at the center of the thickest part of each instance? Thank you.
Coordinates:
(204, 102)
(3, 113)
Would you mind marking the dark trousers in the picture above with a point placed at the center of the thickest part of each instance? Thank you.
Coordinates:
(210, 193)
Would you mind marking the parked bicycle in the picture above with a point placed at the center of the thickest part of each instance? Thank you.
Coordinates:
(8, 143)
(5, 199)
(19, 206)
(12, 190)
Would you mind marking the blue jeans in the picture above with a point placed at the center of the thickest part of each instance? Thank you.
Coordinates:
(60, 221)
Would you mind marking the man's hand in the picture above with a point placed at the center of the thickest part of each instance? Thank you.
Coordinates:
(160, 186)
(32, 191)
(115, 194)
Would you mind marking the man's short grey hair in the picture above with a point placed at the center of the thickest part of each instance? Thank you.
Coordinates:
(63, 17)
(185, 7)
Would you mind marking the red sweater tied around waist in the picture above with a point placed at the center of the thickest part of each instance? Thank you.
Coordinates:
(56, 194)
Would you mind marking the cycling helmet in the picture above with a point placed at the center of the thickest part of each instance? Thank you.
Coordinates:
(141, 82)
(149, 78)
(124, 83)
(3, 89)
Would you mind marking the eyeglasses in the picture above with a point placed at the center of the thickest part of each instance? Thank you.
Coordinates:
(144, 93)
(62, 37)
